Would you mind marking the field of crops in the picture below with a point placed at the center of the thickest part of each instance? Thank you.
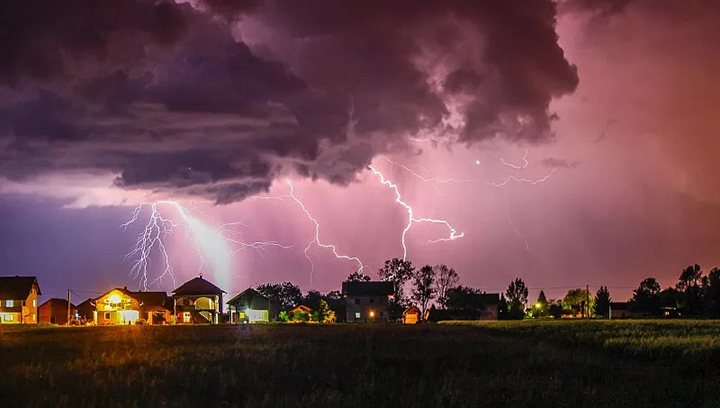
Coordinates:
(524, 364)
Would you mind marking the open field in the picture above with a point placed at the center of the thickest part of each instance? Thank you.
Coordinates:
(523, 364)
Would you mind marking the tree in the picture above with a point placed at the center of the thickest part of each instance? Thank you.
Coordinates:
(324, 313)
(445, 279)
(358, 276)
(517, 294)
(424, 290)
(464, 298)
(576, 301)
(285, 295)
(555, 309)
(602, 302)
(397, 271)
(711, 290)
(312, 299)
(541, 307)
(502, 308)
(646, 298)
(690, 294)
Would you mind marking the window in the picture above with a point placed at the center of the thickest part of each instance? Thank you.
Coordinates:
(107, 316)
(34, 302)
(357, 315)
(9, 303)
(357, 301)
(381, 314)
(186, 317)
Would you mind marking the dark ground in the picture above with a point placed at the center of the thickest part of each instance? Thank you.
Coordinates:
(496, 364)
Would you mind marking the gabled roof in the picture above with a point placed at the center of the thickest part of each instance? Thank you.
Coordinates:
(301, 309)
(146, 299)
(198, 286)
(17, 287)
(58, 302)
(411, 309)
(248, 293)
(372, 288)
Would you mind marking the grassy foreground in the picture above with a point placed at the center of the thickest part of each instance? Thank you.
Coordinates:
(488, 364)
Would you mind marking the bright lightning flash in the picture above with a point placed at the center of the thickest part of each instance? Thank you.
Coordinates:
(411, 217)
(212, 244)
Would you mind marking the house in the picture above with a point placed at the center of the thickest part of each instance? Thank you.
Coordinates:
(122, 306)
(480, 306)
(621, 310)
(250, 306)
(85, 312)
(55, 311)
(198, 301)
(411, 315)
(300, 313)
(18, 299)
(367, 301)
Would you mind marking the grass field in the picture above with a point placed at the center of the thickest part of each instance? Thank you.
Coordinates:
(488, 364)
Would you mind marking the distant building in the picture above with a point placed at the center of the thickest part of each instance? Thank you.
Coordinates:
(85, 312)
(411, 315)
(367, 301)
(621, 310)
(481, 306)
(198, 301)
(250, 306)
(55, 311)
(18, 299)
(122, 306)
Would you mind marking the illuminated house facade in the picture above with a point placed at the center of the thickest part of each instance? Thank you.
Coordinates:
(250, 306)
(121, 306)
(18, 299)
(367, 302)
(55, 311)
(197, 301)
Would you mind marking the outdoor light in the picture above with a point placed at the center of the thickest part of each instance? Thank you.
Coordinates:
(372, 314)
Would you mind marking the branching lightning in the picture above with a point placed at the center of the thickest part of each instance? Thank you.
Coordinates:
(515, 166)
(411, 217)
(213, 245)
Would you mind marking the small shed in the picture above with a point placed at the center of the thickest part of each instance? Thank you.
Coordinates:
(411, 315)
(250, 306)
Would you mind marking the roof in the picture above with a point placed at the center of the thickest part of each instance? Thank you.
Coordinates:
(619, 305)
(146, 299)
(17, 287)
(59, 302)
(247, 293)
(411, 309)
(198, 286)
(301, 308)
(372, 288)
(489, 298)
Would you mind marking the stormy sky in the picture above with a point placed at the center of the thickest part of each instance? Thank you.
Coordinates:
(572, 142)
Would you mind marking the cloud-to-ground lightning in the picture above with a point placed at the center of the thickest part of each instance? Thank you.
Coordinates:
(213, 245)
(316, 238)
(411, 215)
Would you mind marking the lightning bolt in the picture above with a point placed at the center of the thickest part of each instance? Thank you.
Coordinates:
(316, 238)
(515, 166)
(213, 245)
(534, 182)
(427, 179)
(411, 217)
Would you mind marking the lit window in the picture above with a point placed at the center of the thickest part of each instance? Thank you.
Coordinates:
(186, 317)
(357, 315)
(9, 303)
(34, 303)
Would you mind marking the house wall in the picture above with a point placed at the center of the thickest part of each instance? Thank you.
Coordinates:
(195, 305)
(360, 308)
(115, 307)
(54, 312)
(22, 311)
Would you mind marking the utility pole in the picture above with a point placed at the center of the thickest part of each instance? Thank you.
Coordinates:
(68, 309)
(587, 302)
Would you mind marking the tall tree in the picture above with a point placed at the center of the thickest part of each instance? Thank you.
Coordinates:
(602, 302)
(358, 276)
(398, 271)
(576, 301)
(541, 306)
(690, 296)
(286, 295)
(424, 290)
(646, 298)
(517, 294)
(445, 279)
(324, 313)
(312, 299)
(711, 289)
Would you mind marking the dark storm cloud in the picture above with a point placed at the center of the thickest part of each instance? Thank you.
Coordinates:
(218, 99)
